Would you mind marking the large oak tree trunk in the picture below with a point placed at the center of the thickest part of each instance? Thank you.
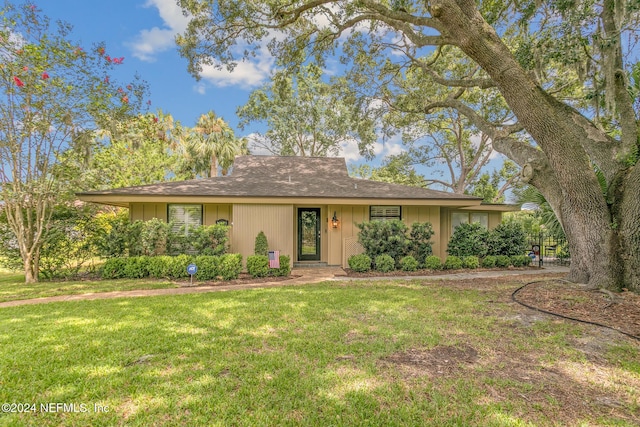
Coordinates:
(604, 247)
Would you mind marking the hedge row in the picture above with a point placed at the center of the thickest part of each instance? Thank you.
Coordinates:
(385, 263)
(210, 267)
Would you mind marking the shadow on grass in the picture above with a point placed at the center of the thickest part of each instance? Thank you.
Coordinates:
(308, 355)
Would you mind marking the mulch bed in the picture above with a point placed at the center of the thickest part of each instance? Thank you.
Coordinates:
(620, 311)
(397, 273)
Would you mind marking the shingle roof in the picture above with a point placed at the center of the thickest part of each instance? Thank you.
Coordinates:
(273, 176)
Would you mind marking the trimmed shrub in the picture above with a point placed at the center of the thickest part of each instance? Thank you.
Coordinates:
(258, 265)
(508, 238)
(134, 238)
(385, 263)
(261, 246)
(409, 263)
(177, 268)
(452, 263)
(468, 239)
(470, 261)
(489, 261)
(384, 237)
(285, 267)
(503, 261)
(207, 267)
(209, 240)
(136, 267)
(153, 236)
(158, 266)
(230, 266)
(113, 268)
(360, 263)
(433, 262)
(520, 260)
(420, 240)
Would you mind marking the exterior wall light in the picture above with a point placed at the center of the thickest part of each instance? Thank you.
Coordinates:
(334, 221)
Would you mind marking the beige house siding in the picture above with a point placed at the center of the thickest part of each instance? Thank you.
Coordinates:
(280, 225)
(147, 211)
(274, 220)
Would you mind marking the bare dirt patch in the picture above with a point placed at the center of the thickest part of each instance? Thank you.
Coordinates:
(582, 380)
(620, 311)
(438, 361)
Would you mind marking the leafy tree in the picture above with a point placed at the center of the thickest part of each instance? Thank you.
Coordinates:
(450, 146)
(135, 151)
(567, 82)
(210, 145)
(54, 93)
(396, 169)
(303, 115)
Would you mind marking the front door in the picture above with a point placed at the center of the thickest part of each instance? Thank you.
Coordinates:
(309, 234)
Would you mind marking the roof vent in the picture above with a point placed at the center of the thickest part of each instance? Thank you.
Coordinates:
(355, 184)
(289, 178)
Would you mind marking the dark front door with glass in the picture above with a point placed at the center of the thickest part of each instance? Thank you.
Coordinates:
(309, 234)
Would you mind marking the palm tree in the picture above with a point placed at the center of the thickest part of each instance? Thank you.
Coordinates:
(213, 138)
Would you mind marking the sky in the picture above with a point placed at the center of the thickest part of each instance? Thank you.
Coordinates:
(143, 31)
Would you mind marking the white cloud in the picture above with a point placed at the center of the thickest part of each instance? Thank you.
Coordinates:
(246, 74)
(150, 42)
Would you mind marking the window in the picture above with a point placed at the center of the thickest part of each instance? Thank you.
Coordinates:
(384, 213)
(458, 218)
(187, 216)
(481, 217)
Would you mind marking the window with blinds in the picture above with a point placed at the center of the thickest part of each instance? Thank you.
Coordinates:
(384, 213)
(458, 218)
(187, 216)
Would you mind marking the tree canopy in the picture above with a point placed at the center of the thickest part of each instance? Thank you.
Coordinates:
(562, 71)
(54, 94)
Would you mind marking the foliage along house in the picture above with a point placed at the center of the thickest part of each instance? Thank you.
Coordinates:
(308, 207)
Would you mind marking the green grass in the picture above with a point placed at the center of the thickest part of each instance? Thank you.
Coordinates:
(313, 355)
(12, 286)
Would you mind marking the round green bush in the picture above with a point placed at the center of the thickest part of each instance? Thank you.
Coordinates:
(207, 267)
(385, 263)
(433, 263)
(503, 261)
(158, 266)
(520, 260)
(178, 266)
(113, 268)
(489, 261)
(409, 263)
(285, 267)
(452, 263)
(468, 239)
(258, 265)
(136, 267)
(230, 266)
(471, 261)
(360, 263)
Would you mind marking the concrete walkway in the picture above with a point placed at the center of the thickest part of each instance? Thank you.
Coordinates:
(306, 276)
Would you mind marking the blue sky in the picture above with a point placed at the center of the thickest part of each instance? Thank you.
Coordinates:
(143, 32)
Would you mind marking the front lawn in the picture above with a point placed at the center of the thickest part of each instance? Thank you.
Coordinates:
(12, 286)
(338, 353)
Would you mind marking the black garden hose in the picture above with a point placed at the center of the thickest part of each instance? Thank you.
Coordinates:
(513, 297)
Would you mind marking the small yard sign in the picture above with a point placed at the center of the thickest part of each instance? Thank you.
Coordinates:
(191, 270)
